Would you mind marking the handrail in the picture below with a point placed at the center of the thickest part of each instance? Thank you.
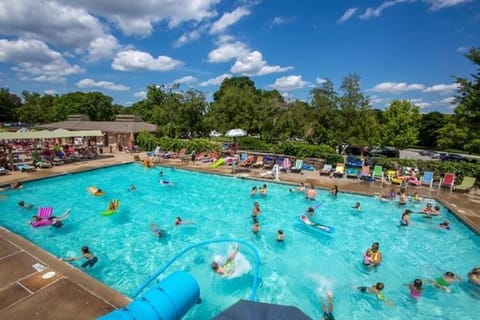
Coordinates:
(178, 255)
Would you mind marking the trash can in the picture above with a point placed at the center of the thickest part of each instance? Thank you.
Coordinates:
(100, 150)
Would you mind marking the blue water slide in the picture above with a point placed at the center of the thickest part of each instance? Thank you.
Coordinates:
(172, 297)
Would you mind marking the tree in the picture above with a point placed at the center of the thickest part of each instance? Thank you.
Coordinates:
(467, 113)
(9, 104)
(96, 105)
(401, 126)
(324, 102)
(429, 126)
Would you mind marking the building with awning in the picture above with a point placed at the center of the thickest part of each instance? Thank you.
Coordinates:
(46, 134)
(122, 131)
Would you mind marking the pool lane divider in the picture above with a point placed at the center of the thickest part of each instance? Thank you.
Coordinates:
(175, 295)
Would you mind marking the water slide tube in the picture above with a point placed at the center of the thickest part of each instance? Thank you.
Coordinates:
(175, 295)
(218, 163)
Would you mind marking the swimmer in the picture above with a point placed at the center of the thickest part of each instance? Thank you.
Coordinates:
(416, 288)
(256, 227)
(405, 220)
(179, 221)
(254, 191)
(256, 211)
(24, 205)
(403, 198)
(166, 183)
(157, 231)
(367, 258)
(376, 289)
(263, 190)
(160, 174)
(227, 268)
(113, 205)
(16, 185)
(132, 188)
(57, 222)
(474, 277)
(280, 235)
(334, 190)
(444, 225)
(310, 211)
(91, 258)
(301, 187)
(311, 193)
(328, 309)
(375, 254)
(357, 206)
(429, 211)
(445, 281)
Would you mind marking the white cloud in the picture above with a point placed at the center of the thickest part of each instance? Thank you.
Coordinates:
(439, 4)
(90, 83)
(52, 22)
(189, 36)
(34, 60)
(229, 19)
(186, 79)
(280, 20)
(103, 48)
(397, 87)
(140, 94)
(347, 15)
(215, 81)
(442, 88)
(50, 92)
(139, 18)
(320, 80)
(376, 12)
(254, 65)
(131, 60)
(290, 83)
(377, 100)
(227, 51)
(463, 49)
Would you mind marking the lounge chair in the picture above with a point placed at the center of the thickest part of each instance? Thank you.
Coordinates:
(366, 174)
(298, 166)
(378, 172)
(286, 164)
(467, 184)
(352, 172)
(154, 153)
(326, 170)
(308, 167)
(268, 163)
(393, 178)
(39, 162)
(354, 162)
(258, 163)
(3, 171)
(248, 161)
(339, 170)
(427, 179)
(448, 181)
(23, 167)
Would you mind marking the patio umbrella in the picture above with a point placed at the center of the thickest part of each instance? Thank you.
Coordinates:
(233, 133)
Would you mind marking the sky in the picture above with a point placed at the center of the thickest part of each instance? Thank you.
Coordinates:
(401, 49)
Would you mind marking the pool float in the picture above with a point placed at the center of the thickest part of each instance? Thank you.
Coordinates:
(303, 218)
(109, 211)
(95, 191)
(218, 163)
(41, 223)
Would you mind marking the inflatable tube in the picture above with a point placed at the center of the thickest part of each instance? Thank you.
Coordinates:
(170, 299)
(218, 163)
(95, 191)
(41, 223)
(317, 226)
(109, 212)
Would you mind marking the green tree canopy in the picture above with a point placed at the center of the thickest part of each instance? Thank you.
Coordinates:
(401, 124)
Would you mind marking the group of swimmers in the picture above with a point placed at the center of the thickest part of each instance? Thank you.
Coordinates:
(261, 190)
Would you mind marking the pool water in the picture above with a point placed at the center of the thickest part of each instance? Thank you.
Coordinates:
(297, 272)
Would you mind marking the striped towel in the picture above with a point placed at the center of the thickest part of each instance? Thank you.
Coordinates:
(45, 213)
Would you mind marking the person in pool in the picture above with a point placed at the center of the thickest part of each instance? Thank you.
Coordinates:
(301, 187)
(444, 225)
(157, 231)
(375, 254)
(87, 254)
(24, 205)
(263, 190)
(280, 235)
(376, 289)
(405, 220)
(255, 227)
(132, 188)
(474, 277)
(445, 281)
(310, 211)
(416, 288)
(327, 309)
(334, 190)
(357, 206)
(311, 193)
(16, 185)
(256, 211)
(227, 267)
(254, 191)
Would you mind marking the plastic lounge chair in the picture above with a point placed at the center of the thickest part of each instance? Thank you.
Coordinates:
(3, 170)
(326, 170)
(286, 164)
(378, 172)
(339, 170)
(308, 167)
(268, 163)
(352, 172)
(366, 174)
(354, 162)
(25, 167)
(467, 184)
(427, 179)
(448, 181)
(248, 161)
(258, 163)
(39, 162)
(298, 166)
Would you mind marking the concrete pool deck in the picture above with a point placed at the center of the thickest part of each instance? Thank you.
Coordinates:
(36, 284)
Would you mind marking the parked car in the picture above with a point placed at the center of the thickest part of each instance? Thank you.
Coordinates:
(356, 151)
(453, 157)
(429, 153)
(387, 152)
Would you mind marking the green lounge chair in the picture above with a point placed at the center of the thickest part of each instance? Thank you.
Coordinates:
(378, 172)
(467, 184)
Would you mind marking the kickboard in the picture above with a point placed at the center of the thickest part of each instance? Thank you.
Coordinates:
(318, 226)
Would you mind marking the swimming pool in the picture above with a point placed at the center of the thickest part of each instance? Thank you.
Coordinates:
(293, 273)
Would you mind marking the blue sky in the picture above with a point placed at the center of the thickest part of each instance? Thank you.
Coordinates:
(402, 49)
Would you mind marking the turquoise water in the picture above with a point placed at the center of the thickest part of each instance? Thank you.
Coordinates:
(296, 272)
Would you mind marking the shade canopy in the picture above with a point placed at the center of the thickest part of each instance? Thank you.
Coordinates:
(236, 133)
(45, 134)
(244, 309)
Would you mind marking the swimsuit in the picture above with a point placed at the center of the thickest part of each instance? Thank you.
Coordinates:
(328, 316)
(414, 293)
(441, 282)
(90, 262)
